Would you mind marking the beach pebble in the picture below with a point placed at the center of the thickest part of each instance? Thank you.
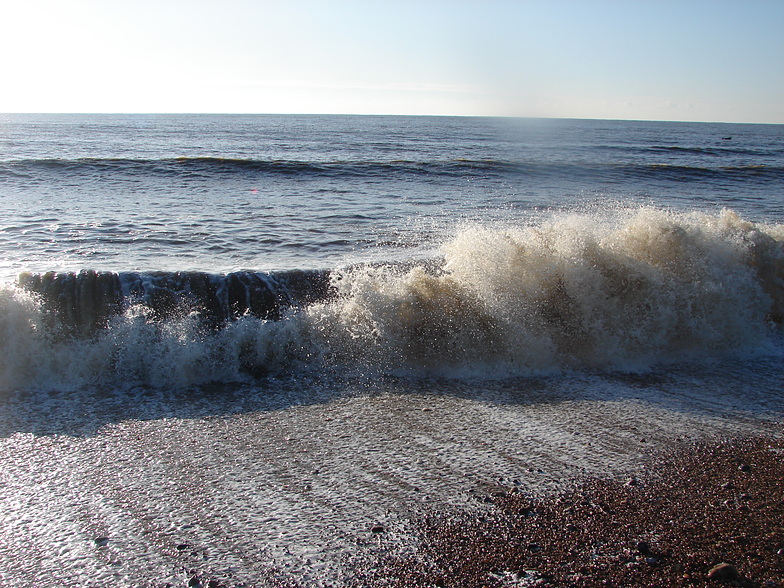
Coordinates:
(377, 529)
(101, 541)
(744, 467)
(723, 571)
(644, 548)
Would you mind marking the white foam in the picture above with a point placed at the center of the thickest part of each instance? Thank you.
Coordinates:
(622, 290)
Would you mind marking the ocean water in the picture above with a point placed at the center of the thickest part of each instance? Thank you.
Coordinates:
(185, 250)
(231, 346)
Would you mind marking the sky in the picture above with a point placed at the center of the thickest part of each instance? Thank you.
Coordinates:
(716, 60)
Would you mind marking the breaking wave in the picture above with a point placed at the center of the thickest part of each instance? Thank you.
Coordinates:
(622, 290)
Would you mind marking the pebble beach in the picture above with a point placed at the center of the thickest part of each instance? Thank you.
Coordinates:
(551, 488)
(707, 516)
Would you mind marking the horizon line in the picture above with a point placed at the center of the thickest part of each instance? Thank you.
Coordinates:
(379, 114)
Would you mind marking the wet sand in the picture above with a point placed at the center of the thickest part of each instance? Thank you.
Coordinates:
(351, 490)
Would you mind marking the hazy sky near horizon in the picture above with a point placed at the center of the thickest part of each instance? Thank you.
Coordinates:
(717, 60)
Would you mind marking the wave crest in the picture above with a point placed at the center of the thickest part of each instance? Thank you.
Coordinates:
(620, 291)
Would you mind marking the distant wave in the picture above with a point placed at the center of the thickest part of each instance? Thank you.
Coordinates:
(623, 290)
(218, 165)
(211, 167)
(684, 173)
(722, 151)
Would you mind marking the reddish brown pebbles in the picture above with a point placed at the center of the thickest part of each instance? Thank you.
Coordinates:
(711, 516)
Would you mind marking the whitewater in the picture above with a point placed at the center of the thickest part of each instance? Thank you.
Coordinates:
(624, 292)
(261, 337)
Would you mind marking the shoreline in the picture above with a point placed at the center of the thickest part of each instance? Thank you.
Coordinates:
(289, 494)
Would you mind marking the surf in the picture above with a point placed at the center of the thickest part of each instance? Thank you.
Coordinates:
(616, 290)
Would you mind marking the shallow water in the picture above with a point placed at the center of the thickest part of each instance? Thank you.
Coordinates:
(261, 488)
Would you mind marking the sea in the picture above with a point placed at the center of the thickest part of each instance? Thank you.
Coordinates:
(161, 271)
(170, 251)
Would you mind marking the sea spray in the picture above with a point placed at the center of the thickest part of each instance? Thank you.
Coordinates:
(620, 290)
(623, 290)
(139, 348)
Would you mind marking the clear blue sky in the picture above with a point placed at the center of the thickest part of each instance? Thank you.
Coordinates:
(634, 59)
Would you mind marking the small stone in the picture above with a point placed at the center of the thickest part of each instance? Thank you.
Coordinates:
(651, 561)
(377, 529)
(723, 571)
(632, 482)
(644, 548)
(745, 467)
(183, 546)
(194, 582)
(101, 541)
(727, 486)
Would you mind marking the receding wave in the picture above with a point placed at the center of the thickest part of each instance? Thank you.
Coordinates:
(622, 290)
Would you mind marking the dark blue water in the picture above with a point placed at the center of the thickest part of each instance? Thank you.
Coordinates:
(221, 193)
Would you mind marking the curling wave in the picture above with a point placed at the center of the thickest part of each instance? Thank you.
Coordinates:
(624, 290)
